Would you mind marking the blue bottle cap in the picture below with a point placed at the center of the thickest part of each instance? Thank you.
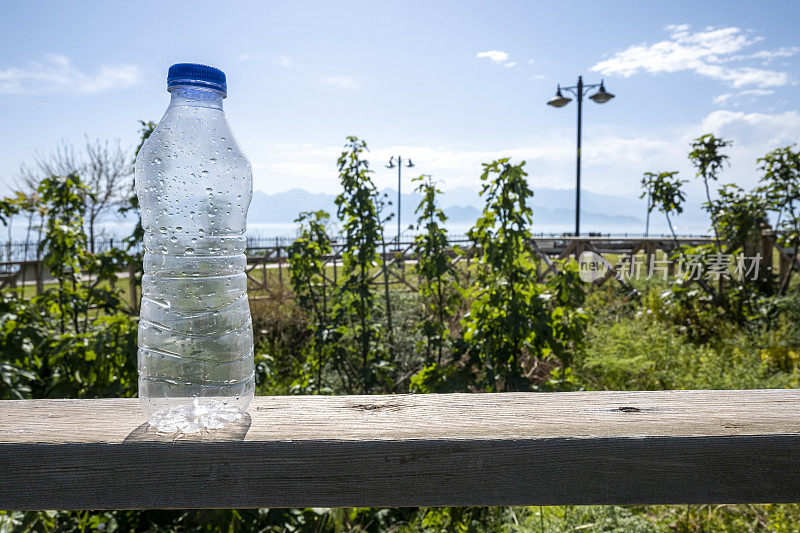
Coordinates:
(197, 75)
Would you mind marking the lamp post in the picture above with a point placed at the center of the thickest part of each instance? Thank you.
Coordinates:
(559, 100)
(399, 165)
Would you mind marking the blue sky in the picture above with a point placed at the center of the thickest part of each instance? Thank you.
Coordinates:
(449, 84)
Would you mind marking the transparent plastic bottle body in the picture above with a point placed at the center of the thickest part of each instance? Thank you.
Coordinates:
(194, 185)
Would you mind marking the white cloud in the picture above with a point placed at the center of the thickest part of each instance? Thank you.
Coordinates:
(283, 61)
(342, 82)
(722, 98)
(707, 53)
(497, 57)
(762, 130)
(757, 92)
(768, 55)
(56, 73)
(736, 98)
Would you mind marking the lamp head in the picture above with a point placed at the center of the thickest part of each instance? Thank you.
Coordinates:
(559, 100)
(390, 164)
(409, 164)
(602, 96)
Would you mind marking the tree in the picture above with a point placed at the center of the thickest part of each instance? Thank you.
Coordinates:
(666, 195)
(354, 303)
(65, 240)
(512, 315)
(781, 188)
(708, 159)
(104, 168)
(739, 216)
(438, 285)
(307, 276)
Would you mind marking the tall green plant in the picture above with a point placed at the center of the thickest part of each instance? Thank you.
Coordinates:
(512, 316)
(739, 216)
(307, 276)
(781, 188)
(354, 304)
(65, 241)
(665, 190)
(666, 195)
(438, 279)
(707, 157)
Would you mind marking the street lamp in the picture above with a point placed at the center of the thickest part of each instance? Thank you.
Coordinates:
(559, 100)
(399, 165)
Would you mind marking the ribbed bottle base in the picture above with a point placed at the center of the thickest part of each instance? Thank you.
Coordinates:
(199, 414)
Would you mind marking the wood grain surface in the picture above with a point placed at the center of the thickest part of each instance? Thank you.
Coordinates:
(410, 450)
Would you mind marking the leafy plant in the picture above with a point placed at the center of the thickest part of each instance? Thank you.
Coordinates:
(361, 362)
(65, 241)
(781, 188)
(512, 317)
(665, 193)
(438, 278)
(739, 216)
(307, 275)
(708, 159)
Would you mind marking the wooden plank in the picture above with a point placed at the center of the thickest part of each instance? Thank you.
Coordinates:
(612, 271)
(563, 255)
(635, 250)
(411, 450)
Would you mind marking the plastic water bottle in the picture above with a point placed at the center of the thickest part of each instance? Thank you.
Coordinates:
(194, 185)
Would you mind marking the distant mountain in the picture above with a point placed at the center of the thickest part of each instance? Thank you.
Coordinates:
(462, 205)
(284, 207)
(553, 210)
(460, 196)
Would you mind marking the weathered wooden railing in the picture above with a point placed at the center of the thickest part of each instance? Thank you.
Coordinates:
(411, 450)
(550, 249)
(264, 257)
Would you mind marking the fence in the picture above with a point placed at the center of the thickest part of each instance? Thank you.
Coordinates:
(614, 251)
(267, 253)
(17, 251)
(665, 447)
